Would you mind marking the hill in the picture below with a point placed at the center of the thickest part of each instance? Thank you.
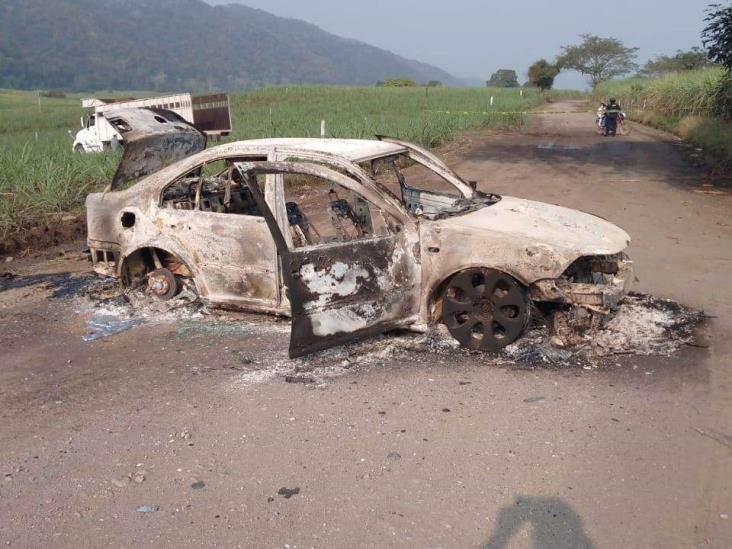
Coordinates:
(180, 45)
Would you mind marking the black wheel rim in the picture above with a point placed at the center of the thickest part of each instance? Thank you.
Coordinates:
(484, 309)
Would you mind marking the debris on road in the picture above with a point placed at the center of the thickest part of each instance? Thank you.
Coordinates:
(121, 482)
(287, 493)
(115, 311)
(105, 324)
(642, 325)
(299, 379)
(146, 509)
(139, 477)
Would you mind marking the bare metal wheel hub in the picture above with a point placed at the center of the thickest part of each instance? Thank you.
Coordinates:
(162, 283)
(485, 309)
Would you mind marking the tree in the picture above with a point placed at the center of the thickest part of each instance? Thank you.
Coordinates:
(717, 38)
(399, 83)
(434, 84)
(542, 74)
(690, 60)
(598, 58)
(717, 35)
(503, 78)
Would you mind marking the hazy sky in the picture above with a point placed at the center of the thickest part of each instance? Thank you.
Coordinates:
(472, 38)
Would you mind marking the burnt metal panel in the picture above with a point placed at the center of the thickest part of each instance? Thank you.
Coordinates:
(154, 138)
(346, 291)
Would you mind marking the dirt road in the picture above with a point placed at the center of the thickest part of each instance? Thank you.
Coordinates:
(195, 423)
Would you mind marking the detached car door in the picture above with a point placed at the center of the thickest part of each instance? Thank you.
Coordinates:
(350, 269)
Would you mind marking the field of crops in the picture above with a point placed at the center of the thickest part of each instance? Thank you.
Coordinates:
(692, 93)
(695, 105)
(40, 177)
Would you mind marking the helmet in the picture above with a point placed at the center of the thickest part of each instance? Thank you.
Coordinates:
(612, 100)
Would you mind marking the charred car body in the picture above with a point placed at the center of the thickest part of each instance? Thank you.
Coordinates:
(347, 237)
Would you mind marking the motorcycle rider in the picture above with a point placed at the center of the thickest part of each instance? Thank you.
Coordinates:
(612, 113)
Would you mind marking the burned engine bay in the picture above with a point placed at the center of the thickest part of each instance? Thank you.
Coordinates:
(584, 297)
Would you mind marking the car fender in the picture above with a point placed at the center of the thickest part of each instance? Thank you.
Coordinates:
(171, 247)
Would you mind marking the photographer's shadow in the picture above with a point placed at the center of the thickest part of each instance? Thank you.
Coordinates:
(554, 523)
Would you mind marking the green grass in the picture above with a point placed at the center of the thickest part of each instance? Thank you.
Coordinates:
(691, 93)
(409, 113)
(686, 104)
(41, 178)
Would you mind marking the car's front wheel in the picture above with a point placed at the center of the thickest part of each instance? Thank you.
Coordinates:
(485, 309)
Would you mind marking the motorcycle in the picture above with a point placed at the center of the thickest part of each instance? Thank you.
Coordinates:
(622, 126)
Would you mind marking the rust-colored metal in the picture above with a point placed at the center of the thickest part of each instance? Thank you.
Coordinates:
(162, 283)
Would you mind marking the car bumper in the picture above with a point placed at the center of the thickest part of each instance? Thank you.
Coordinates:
(105, 257)
(603, 296)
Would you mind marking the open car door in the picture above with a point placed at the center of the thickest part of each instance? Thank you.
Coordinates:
(343, 291)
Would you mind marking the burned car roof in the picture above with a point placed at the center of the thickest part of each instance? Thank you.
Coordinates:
(355, 150)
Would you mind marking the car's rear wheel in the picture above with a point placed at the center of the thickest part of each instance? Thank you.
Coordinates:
(485, 309)
(162, 284)
(161, 273)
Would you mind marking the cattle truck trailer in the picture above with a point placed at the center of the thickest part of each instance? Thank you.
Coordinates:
(208, 113)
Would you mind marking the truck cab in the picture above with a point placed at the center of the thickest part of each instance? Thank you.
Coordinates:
(87, 138)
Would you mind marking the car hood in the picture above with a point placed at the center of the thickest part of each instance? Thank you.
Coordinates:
(529, 222)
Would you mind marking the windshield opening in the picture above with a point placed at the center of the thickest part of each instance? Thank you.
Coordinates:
(422, 190)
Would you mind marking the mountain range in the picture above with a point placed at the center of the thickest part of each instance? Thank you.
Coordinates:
(181, 45)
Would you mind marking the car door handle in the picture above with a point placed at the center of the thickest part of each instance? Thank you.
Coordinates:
(433, 250)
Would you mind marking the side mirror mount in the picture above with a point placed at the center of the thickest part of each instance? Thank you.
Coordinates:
(473, 185)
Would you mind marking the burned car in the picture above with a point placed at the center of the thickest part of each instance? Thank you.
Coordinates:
(349, 238)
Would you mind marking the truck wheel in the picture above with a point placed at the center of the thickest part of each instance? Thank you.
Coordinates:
(485, 309)
(79, 148)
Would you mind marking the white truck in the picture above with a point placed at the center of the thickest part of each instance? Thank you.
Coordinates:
(208, 113)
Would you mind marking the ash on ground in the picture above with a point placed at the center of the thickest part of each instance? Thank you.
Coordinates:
(114, 310)
(643, 325)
